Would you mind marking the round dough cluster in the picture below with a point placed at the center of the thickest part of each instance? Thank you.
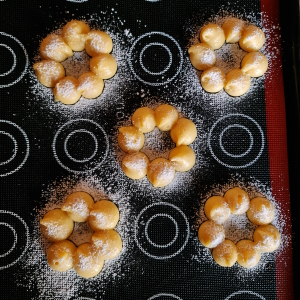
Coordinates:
(247, 253)
(87, 259)
(76, 36)
(203, 57)
(160, 171)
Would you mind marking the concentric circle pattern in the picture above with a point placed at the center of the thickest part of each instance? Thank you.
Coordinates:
(241, 295)
(164, 296)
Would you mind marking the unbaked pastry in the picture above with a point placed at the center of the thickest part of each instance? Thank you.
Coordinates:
(183, 132)
(255, 64)
(144, 119)
(183, 158)
(233, 29)
(90, 85)
(66, 91)
(217, 209)
(104, 65)
(237, 200)
(130, 139)
(225, 254)
(252, 39)
(165, 117)
(213, 35)
(248, 253)
(237, 82)
(267, 238)
(211, 234)
(213, 80)
(202, 56)
(135, 165)
(261, 211)
(98, 42)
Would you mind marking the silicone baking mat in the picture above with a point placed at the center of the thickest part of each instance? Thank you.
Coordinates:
(49, 150)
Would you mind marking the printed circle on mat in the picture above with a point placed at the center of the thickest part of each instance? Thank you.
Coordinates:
(155, 58)
(236, 141)
(240, 295)
(14, 231)
(84, 298)
(14, 147)
(14, 60)
(164, 296)
(161, 230)
(80, 145)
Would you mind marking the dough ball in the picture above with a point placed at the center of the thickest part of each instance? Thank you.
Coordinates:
(237, 83)
(78, 206)
(135, 165)
(261, 211)
(61, 255)
(202, 56)
(267, 238)
(107, 243)
(49, 72)
(144, 119)
(130, 139)
(225, 254)
(248, 253)
(212, 35)
(160, 172)
(90, 85)
(233, 29)
(66, 91)
(56, 225)
(165, 117)
(183, 158)
(87, 263)
(104, 215)
(104, 65)
(75, 34)
(237, 200)
(255, 64)
(98, 42)
(217, 209)
(212, 80)
(211, 234)
(55, 48)
(183, 132)
(252, 39)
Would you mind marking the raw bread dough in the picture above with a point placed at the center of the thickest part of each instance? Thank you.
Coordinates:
(217, 209)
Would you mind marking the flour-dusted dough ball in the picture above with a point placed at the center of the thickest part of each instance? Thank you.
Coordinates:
(238, 200)
(202, 56)
(212, 80)
(233, 29)
(254, 64)
(49, 72)
(87, 263)
(217, 209)
(78, 206)
(66, 91)
(107, 243)
(104, 65)
(261, 211)
(104, 215)
(135, 165)
(90, 85)
(252, 39)
(61, 255)
(183, 158)
(165, 117)
(130, 139)
(213, 35)
(98, 42)
(161, 172)
(237, 83)
(211, 234)
(267, 238)
(248, 253)
(55, 48)
(56, 225)
(144, 119)
(183, 132)
(75, 34)
(225, 254)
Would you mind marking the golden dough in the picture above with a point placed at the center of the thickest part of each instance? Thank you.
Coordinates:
(211, 234)
(165, 117)
(56, 225)
(202, 56)
(183, 132)
(131, 139)
(261, 211)
(98, 42)
(104, 215)
(213, 35)
(252, 39)
(90, 85)
(238, 200)
(183, 158)
(248, 254)
(217, 209)
(212, 80)
(135, 165)
(267, 238)
(78, 206)
(254, 64)
(225, 254)
(144, 119)
(49, 72)
(104, 65)
(237, 83)
(61, 255)
(160, 172)
(233, 29)
(55, 48)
